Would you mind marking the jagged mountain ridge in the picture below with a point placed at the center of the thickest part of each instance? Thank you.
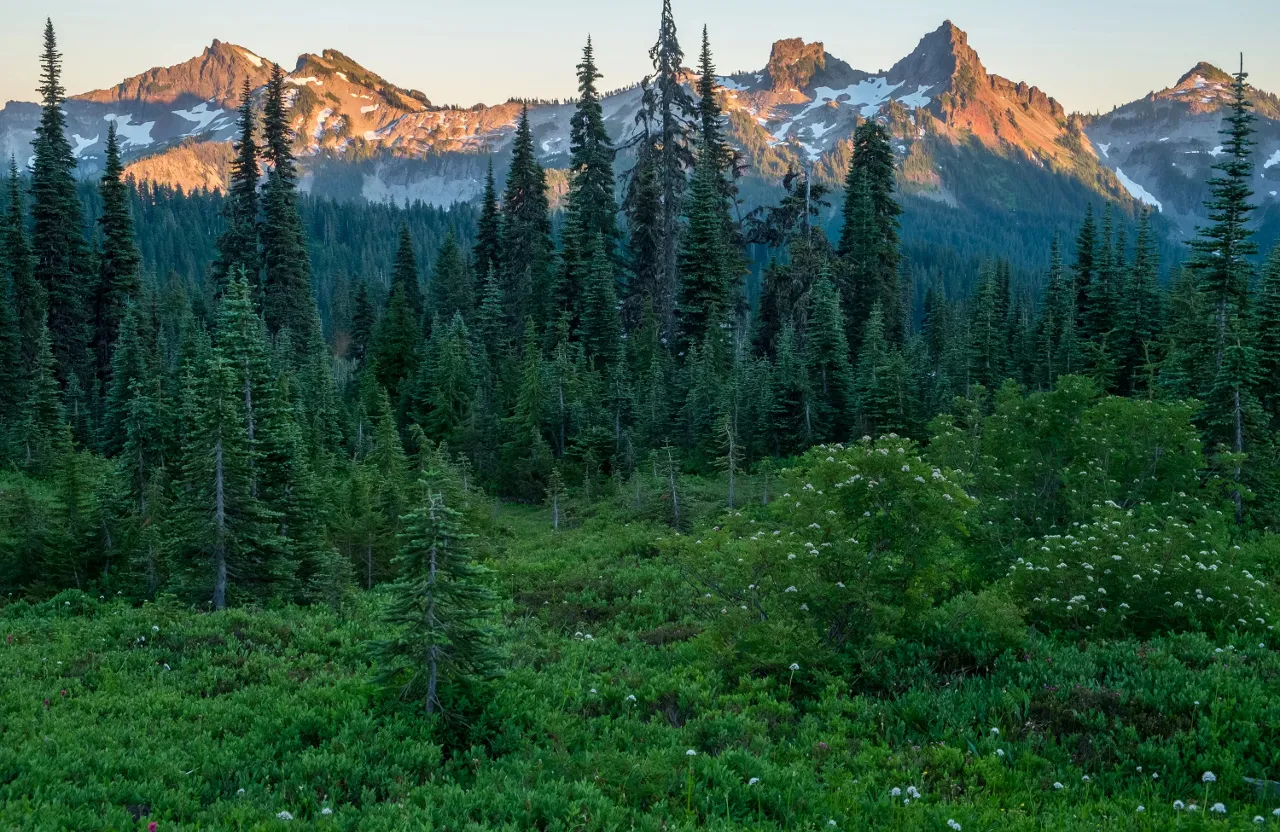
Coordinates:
(1162, 147)
(359, 134)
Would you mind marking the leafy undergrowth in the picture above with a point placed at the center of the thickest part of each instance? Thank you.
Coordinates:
(616, 712)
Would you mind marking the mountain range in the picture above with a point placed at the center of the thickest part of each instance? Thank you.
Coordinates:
(966, 139)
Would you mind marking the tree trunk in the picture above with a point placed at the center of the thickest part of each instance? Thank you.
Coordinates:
(220, 531)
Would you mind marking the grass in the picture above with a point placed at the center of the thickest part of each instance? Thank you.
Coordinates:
(114, 715)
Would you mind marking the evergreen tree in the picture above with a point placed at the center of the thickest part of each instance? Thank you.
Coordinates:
(440, 608)
(30, 300)
(57, 237)
(363, 320)
(706, 291)
(827, 362)
(1267, 327)
(711, 141)
(665, 114)
(1056, 336)
(869, 237)
(238, 243)
(447, 383)
(488, 249)
(1224, 246)
(452, 288)
(526, 231)
(405, 276)
(491, 324)
(1138, 316)
(225, 534)
(118, 259)
(989, 341)
(601, 323)
(134, 372)
(396, 342)
(643, 207)
(1084, 271)
(287, 299)
(880, 382)
(591, 153)
(43, 418)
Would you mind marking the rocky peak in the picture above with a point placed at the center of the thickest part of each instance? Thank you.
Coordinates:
(940, 57)
(793, 63)
(215, 75)
(1207, 73)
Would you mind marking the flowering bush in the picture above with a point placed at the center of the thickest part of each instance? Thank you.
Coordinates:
(1134, 572)
(861, 540)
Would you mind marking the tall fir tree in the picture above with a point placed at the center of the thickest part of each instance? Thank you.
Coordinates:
(440, 610)
(601, 322)
(288, 302)
(869, 246)
(57, 234)
(452, 288)
(1266, 325)
(526, 231)
(118, 259)
(591, 153)
(238, 243)
(44, 419)
(666, 112)
(405, 275)
(30, 300)
(487, 255)
(1223, 247)
(827, 362)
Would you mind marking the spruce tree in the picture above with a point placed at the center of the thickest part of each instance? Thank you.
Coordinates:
(30, 300)
(706, 291)
(1084, 272)
(488, 249)
(827, 362)
(452, 288)
(591, 153)
(1138, 314)
(238, 243)
(526, 231)
(643, 207)
(1224, 246)
(869, 238)
(1056, 333)
(363, 320)
(405, 276)
(1267, 327)
(287, 298)
(44, 418)
(118, 259)
(225, 536)
(440, 609)
(665, 116)
(57, 236)
(601, 330)
(396, 342)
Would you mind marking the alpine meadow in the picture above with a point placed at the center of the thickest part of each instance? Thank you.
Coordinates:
(802, 449)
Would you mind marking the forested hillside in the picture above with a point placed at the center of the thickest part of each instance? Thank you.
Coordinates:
(388, 518)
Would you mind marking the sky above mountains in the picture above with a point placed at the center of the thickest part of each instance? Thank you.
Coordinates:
(1090, 54)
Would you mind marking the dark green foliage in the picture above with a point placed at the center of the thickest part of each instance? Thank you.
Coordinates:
(405, 276)
(238, 243)
(439, 609)
(526, 231)
(488, 250)
(288, 303)
(118, 260)
(57, 233)
(869, 238)
(452, 288)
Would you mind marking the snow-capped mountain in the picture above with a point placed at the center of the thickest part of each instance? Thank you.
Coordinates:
(964, 136)
(1162, 147)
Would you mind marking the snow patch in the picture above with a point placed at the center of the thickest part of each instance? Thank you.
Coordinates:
(1105, 148)
(200, 114)
(82, 144)
(1165, 139)
(369, 135)
(1137, 191)
(1216, 152)
(302, 82)
(730, 84)
(548, 145)
(917, 99)
(321, 117)
(867, 95)
(368, 108)
(131, 134)
(342, 75)
(1273, 161)
(251, 58)
(819, 130)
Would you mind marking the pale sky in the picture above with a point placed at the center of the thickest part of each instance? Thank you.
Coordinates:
(1089, 54)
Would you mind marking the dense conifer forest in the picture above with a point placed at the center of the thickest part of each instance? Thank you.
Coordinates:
(641, 511)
